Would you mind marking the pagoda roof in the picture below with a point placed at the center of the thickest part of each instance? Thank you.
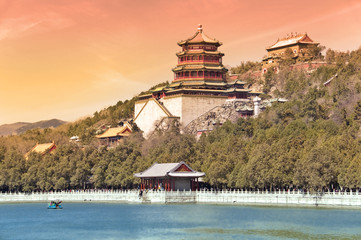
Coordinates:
(300, 38)
(187, 174)
(180, 169)
(194, 67)
(203, 83)
(158, 89)
(197, 83)
(215, 83)
(117, 131)
(145, 96)
(175, 84)
(199, 52)
(199, 37)
(196, 90)
(237, 90)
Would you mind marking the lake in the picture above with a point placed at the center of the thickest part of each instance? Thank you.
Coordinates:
(179, 221)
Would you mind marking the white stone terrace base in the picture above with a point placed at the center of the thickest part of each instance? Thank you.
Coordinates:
(291, 198)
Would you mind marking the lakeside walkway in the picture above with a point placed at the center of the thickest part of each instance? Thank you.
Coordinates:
(280, 197)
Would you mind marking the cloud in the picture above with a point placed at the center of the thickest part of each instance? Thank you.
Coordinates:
(18, 27)
(15, 26)
(114, 81)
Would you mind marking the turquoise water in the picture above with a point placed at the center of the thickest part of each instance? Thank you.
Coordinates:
(140, 221)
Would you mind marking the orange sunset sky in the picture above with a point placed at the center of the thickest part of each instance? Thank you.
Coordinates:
(67, 59)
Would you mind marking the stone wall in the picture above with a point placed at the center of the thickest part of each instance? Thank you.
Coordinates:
(187, 107)
(282, 198)
(195, 106)
(147, 117)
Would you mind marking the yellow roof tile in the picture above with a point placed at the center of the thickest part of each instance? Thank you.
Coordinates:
(301, 38)
(117, 131)
(200, 37)
(41, 148)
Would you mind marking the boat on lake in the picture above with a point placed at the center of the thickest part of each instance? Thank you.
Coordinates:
(55, 205)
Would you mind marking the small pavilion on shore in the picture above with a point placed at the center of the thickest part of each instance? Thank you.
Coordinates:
(170, 176)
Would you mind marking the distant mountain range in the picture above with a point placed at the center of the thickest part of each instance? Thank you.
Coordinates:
(21, 127)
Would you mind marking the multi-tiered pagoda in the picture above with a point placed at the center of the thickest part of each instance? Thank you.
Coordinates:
(200, 60)
(200, 71)
(199, 85)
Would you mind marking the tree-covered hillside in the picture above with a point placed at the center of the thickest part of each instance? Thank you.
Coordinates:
(312, 141)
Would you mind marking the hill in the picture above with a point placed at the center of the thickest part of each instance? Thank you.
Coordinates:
(312, 141)
(21, 127)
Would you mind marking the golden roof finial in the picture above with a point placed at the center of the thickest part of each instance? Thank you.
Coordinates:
(200, 28)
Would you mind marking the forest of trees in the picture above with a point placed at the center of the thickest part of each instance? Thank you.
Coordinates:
(313, 141)
(246, 66)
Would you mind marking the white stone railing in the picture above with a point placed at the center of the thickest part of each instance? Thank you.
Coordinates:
(280, 197)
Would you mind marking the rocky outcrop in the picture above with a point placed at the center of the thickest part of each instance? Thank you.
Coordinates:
(231, 110)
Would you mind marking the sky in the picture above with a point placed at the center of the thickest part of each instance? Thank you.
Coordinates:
(67, 59)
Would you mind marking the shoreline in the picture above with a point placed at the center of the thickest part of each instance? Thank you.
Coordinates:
(265, 205)
(224, 197)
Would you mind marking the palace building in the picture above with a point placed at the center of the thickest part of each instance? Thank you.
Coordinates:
(114, 135)
(299, 45)
(42, 149)
(199, 85)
